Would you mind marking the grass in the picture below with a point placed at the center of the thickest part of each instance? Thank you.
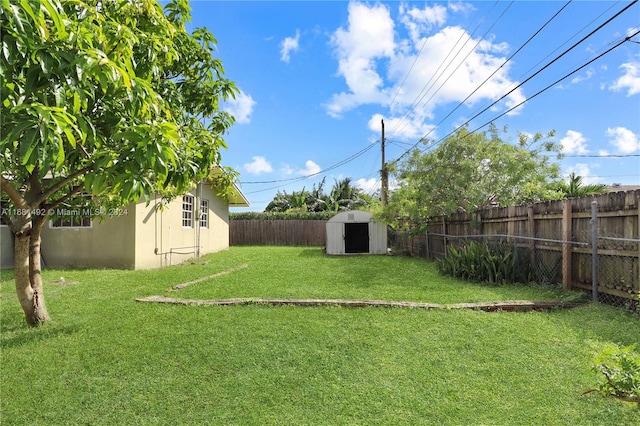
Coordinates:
(106, 359)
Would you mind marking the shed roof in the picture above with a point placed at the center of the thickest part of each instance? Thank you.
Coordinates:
(358, 216)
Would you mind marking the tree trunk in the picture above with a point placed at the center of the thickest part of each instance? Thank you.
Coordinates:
(28, 276)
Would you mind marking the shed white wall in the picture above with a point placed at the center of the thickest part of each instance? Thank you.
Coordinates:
(335, 232)
(377, 238)
(335, 238)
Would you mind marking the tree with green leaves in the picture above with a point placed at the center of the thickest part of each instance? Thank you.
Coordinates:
(471, 171)
(342, 196)
(110, 99)
(575, 187)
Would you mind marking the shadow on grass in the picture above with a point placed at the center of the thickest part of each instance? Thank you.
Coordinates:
(312, 252)
(14, 331)
(603, 323)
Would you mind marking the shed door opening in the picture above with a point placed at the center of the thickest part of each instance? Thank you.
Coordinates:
(356, 238)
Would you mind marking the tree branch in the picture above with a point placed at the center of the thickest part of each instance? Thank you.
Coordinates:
(50, 191)
(14, 194)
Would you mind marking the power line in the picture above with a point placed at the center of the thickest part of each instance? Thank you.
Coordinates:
(301, 178)
(500, 67)
(488, 78)
(462, 62)
(554, 83)
(532, 76)
(429, 84)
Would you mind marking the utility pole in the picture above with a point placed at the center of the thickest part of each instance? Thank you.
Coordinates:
(384, 174)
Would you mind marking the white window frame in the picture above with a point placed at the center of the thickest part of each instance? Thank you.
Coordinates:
(187, 211)
(71, 223)
(204, 213)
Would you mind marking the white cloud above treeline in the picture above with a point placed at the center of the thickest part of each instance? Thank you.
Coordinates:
(574, 143)
(380, 67)
(624, 140)
(258, 165)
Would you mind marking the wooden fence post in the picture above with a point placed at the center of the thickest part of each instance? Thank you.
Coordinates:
(595, 270)
(511, 224)
(567, 208)
(531, 225)
(444, 232)
(637, 289)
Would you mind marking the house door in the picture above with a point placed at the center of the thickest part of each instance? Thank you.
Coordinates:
(356, 238)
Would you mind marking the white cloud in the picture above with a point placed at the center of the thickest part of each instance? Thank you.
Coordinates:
(624, 139)
(368, 186)
(310, 168)
(258, 165)
(574, 143)
(420, 73)
(241, 107)
(459, 6)
(288, 45)
(630, 80)
(419, 21)
(287, 170)
(369, 36)
(410, 127)
(583, 170)
(580, 78)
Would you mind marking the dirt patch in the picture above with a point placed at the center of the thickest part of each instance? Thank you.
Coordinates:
(227, 271)
(62, 281)
(509, 305)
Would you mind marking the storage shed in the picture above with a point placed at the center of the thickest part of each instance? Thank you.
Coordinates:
(355, 232)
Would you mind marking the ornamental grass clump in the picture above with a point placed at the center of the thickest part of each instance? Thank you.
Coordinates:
(483, 262)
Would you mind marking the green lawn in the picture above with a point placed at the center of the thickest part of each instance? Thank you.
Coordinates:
(106, 359)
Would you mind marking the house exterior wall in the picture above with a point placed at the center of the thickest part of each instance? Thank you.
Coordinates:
(107, 244)
(162, 240)
(141, 236)
(6, 247)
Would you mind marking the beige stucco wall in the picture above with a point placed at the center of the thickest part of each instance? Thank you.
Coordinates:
(161, 240)
(6, 248)
(141, 237)
(107, 244)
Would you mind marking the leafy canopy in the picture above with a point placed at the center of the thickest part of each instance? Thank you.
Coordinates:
(575, 187)
(342, 196)
(107, 97)
(471, 171)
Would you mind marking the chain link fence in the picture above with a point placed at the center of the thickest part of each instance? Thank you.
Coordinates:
(618, 270)
(540, 259)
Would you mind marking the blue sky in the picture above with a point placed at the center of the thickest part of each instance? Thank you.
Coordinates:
(316, 78)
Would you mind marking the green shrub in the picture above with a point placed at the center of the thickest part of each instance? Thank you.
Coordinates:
(281, 215)
(482, 262)
(621, 369)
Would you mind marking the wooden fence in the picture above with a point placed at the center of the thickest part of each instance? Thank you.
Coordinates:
(558, 235)
(277, 232)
